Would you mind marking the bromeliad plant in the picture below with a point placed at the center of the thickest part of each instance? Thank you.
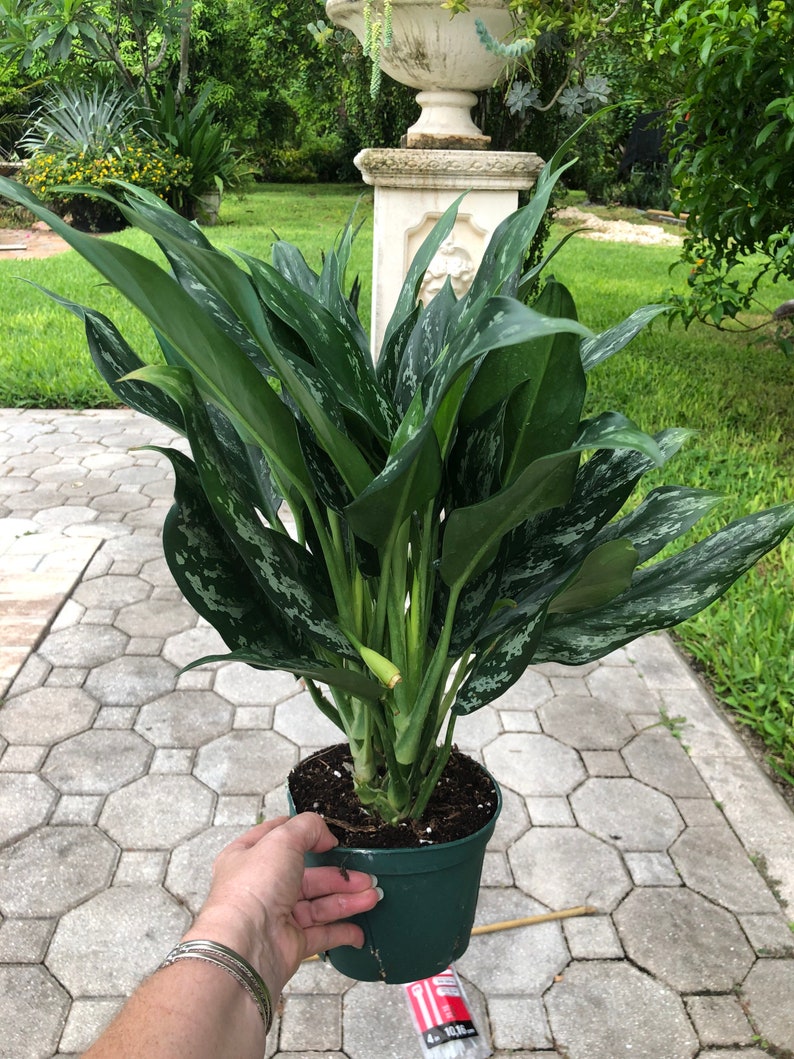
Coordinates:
(454, 517)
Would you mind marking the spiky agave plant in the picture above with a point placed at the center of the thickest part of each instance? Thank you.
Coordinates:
(455, 518)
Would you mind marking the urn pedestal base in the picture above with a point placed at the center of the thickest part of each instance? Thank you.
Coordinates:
(412, 190)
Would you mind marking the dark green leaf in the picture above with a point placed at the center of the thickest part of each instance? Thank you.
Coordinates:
(668, 592)
(346, 680)
(663, 516)
(500, 665)
(604, 574)
(114, 359)
(207, 569)
(597, 349)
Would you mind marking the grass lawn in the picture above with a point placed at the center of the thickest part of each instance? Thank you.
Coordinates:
(740, 398)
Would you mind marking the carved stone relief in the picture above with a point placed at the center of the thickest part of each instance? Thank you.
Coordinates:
(456, 258)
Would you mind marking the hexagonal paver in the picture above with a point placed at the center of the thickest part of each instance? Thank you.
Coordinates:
(32, 1010)
(131, 681)
(155, 617)
(97, 762)
(523, 962)
(532, 689)
(184, 719)
(111, 591)
(512, 821)
(768, 990)
(299, 720)
(246, 762)
(245, 686)
(370, 1004)
(585, 723)
(54, 869)
(83, 645)
(623, 688)
(657, 758)
(627, 813)
(190, 866)
(564, 867)
(194, 643)
(156, 571)
(712, 861)
(478, 729)
(610, 1009)
(684, 940)
(46, 715)
(142, 922)
(157, 812)
(25, 802)
(534, 764)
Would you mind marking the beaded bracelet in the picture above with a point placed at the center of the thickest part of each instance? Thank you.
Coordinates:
(234, 964)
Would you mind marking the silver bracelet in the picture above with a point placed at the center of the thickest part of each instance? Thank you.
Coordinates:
(234, 964)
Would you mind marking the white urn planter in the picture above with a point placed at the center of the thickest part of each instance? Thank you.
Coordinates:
(441, 56)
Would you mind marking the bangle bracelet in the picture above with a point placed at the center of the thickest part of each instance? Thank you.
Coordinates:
(234, 964)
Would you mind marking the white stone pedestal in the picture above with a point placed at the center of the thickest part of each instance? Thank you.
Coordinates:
(412, 189)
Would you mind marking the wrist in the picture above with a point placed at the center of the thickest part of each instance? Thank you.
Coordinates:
(244, 939)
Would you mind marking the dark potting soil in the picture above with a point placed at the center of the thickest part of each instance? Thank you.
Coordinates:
(464, 801)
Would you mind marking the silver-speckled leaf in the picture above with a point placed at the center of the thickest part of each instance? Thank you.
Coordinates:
(114, 358)
(666, 593)
(499, 666)
(207, 569)
(595, 350)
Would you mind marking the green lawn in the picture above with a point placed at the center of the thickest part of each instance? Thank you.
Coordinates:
(739, 396)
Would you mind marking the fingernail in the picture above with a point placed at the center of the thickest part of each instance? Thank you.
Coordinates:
(374, 879)
(379, 892)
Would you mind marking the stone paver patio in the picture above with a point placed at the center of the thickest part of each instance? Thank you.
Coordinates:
(120, 778)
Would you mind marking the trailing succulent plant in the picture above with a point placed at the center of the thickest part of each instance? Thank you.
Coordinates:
(453, 519)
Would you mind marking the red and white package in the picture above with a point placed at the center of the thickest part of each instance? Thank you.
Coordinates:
(443, 1020)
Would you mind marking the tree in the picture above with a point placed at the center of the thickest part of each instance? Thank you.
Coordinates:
(132, 38)
(734, 166)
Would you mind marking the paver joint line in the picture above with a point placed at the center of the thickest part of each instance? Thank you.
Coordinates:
(121, 780)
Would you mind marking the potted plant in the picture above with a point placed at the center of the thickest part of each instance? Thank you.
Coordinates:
(193, 134)
(455, 518)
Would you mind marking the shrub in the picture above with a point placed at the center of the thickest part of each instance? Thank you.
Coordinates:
(191, 131)
(137, 162)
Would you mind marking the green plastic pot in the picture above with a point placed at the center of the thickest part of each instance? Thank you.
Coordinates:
(425, 919)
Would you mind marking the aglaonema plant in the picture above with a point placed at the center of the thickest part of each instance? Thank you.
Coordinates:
(408, 534)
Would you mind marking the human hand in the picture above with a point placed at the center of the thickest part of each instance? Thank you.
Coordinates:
(267, 906)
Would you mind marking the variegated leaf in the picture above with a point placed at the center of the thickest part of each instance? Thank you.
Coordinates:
(668, 592)
(475, 604)
(391, 351)
(499, 666)
(475, 460)
(346, 369)
(424, 346)
(500, 269)
(347, 680)
(612, 430)
(287, 574)
(559, 537)
(600, 347)
(207, 569)
(252, 475)
(292, 265)
(114, 359)
(663, 516)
